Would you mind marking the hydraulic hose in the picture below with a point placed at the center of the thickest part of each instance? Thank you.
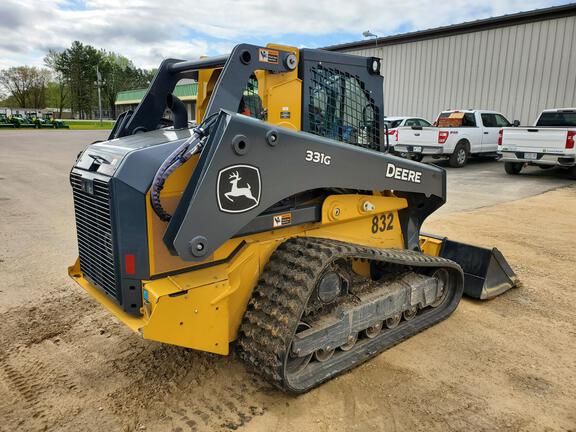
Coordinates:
(177, 158)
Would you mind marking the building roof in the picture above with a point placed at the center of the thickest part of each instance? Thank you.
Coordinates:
(467, 27)
(188, 91)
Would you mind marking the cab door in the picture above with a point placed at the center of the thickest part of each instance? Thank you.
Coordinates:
(492, 123)
(471, 129)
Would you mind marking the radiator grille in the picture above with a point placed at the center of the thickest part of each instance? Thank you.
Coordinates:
(94, 232)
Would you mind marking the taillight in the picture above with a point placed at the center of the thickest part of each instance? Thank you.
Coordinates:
(500, 133)
(570, 139)
(396, 135)
(443, 137)
(130, 264)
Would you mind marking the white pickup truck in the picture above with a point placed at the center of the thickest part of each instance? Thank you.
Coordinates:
(456, 135)
(549, 143)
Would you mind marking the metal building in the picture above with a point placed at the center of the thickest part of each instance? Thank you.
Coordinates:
(517, 64)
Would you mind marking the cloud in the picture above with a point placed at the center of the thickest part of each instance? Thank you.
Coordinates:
(148, 31)
(11, 18)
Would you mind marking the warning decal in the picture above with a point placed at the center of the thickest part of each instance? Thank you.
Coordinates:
(266, 55)
(282, 220)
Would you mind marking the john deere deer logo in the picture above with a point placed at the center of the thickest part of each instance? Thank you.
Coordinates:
(238, 188)
(239, 191)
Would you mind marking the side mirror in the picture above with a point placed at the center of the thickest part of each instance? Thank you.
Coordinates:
(516, 123)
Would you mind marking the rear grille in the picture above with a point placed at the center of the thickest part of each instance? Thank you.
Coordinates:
(94, 232)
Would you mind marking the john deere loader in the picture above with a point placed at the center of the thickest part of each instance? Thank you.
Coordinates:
(276, 224)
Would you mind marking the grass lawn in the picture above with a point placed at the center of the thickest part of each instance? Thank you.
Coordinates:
(90, 124)
(74, 125)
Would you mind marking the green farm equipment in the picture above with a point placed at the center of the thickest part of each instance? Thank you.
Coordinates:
(21, 121)
(4, 121)
(39, 122)
(56, 123)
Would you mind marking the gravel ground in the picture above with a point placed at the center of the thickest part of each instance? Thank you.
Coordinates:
(505, 364)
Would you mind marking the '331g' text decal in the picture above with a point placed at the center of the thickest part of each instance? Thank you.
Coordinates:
(317, 157)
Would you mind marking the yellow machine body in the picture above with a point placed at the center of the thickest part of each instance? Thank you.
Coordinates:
(202, 309)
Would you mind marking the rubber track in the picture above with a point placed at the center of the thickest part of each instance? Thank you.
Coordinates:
(279, 299)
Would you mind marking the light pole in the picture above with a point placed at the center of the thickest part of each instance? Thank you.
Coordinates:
(369, 34)
(99, 84)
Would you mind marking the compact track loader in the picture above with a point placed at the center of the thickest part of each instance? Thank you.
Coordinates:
(279, 221)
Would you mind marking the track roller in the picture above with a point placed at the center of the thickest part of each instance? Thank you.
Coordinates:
(373, 331)
(351, 342)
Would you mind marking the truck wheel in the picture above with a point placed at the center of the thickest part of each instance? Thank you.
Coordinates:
(460, 156)
(513, 168)
(572, 173)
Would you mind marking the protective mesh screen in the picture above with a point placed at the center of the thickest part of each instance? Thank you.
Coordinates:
(342, 109)
(251, 104)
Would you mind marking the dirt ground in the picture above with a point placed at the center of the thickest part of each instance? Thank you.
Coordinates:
(66, 365)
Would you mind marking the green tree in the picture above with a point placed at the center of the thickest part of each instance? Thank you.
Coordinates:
(25, 85)
(42, 78)
(77, 65)
(8, 101)
(58, 91)
(119, 74)
(75, 76)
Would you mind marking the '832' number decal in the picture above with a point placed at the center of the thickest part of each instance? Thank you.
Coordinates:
(383, 222)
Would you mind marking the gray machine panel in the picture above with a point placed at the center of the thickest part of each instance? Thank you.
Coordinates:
(105, 157)
(295, 162)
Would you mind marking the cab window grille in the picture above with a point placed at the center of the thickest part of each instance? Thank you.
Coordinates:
(341, 108)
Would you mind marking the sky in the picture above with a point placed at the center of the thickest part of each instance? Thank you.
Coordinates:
(148, 31)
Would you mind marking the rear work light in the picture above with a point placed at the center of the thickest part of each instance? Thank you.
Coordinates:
(443, 137)
(500, 134)
(570, 139)
(130, 264)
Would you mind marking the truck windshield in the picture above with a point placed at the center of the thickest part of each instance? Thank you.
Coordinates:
(558, 119)
(392, 124)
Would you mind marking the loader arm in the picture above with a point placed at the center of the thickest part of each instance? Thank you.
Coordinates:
(242, 62)
(284, 164)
